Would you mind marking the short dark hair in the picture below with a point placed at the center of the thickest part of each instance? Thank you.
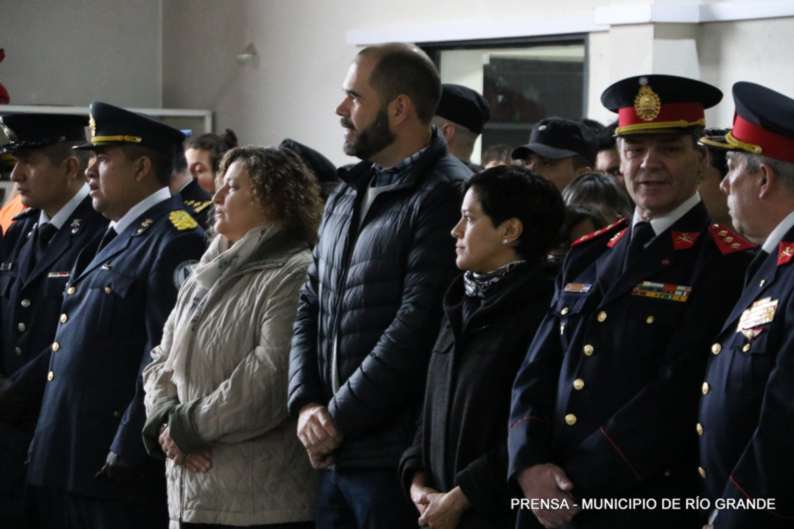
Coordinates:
(511, 191)
(58, 152)
(162, 163)
(405, 69)
(284, 185)
(215, 144)
(598, 192)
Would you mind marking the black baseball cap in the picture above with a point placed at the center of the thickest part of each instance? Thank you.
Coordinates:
(555, 139)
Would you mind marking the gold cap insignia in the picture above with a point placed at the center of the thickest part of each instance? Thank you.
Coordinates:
(647, 104)
(182, 220)
(92, 125)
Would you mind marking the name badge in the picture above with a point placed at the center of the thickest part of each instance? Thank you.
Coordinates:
(54, 275)
(663, 291)
(578, 288)
(761, 312)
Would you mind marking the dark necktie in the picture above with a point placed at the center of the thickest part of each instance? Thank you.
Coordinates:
(109, 235)
(641, 233)
(754, 265)
(44, 235)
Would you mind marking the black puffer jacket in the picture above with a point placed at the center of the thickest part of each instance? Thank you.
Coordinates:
(376, 291)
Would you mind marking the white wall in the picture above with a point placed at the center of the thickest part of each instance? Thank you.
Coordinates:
(181, 53)
(70, 52)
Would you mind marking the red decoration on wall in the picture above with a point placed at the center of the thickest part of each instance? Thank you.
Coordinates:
(4, 97)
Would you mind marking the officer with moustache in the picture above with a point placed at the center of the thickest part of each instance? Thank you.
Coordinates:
(44, 243)
(87, 459)
(601, 407)
(747, 403)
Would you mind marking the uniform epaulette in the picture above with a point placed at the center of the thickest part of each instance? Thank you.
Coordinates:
(594, 234)
(198, 205)
(728, 241)
(182, 220)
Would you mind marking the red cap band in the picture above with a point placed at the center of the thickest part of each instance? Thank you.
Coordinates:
(772, 144)
(671, 115)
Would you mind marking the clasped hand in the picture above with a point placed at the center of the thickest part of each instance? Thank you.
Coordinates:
(196, 462)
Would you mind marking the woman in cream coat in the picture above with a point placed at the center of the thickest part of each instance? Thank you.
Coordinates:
(217, 384)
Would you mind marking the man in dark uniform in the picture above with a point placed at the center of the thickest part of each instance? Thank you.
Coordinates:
(460, 117)
(602, 405)
(45, 241)
(747, 407)
(197, 201)
(87, 457)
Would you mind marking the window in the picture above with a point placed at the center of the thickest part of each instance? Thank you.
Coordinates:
(523, 82)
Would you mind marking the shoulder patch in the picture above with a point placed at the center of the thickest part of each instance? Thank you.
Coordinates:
(727, 240)
(592, 235)
(182, 220)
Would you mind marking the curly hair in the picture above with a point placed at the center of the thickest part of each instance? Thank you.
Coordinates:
(283, 185)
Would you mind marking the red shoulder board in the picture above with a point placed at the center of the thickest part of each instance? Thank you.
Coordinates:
(594, 234)
(728, 241)
(683, 240)
(785, 252)
(616, 238)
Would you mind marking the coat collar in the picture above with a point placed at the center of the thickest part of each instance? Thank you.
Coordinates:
(661, 253)
(358, 176)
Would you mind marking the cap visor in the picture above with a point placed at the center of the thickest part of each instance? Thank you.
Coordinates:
(717, 142)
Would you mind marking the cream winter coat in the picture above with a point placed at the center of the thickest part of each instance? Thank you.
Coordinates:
(219, 380)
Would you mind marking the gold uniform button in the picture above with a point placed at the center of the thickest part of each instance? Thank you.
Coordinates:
(21, 327)
(56, 347)
(588, 350)
(699, 428)
(650, 319)
(64, 318)
(50, 376)
(716, 348)
(702, 472)
(705, 388)
(570, 419)
(25, 303)
(746, 347)
(71, 290)
(578, 384)
(565, 311)
(18, 351)
(602, 316)
(116, 413)
(108, 290)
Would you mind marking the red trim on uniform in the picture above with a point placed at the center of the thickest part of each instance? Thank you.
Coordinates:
(684, 240)
(772, 144)
(689, 112)
(621, 454)
(525, 418)
(593, 234)
(617, 237)
(727, 240)
(747, 495)
(785, 252)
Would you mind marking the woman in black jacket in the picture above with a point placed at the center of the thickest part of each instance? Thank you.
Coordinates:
(455, 472)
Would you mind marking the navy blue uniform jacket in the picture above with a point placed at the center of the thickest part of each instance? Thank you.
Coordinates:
(30, 303)
(114, 308)
(747, 407)
(609, 387)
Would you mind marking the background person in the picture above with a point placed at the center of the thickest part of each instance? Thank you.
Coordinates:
(217, 385)
(204, 153)
(455, 470)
